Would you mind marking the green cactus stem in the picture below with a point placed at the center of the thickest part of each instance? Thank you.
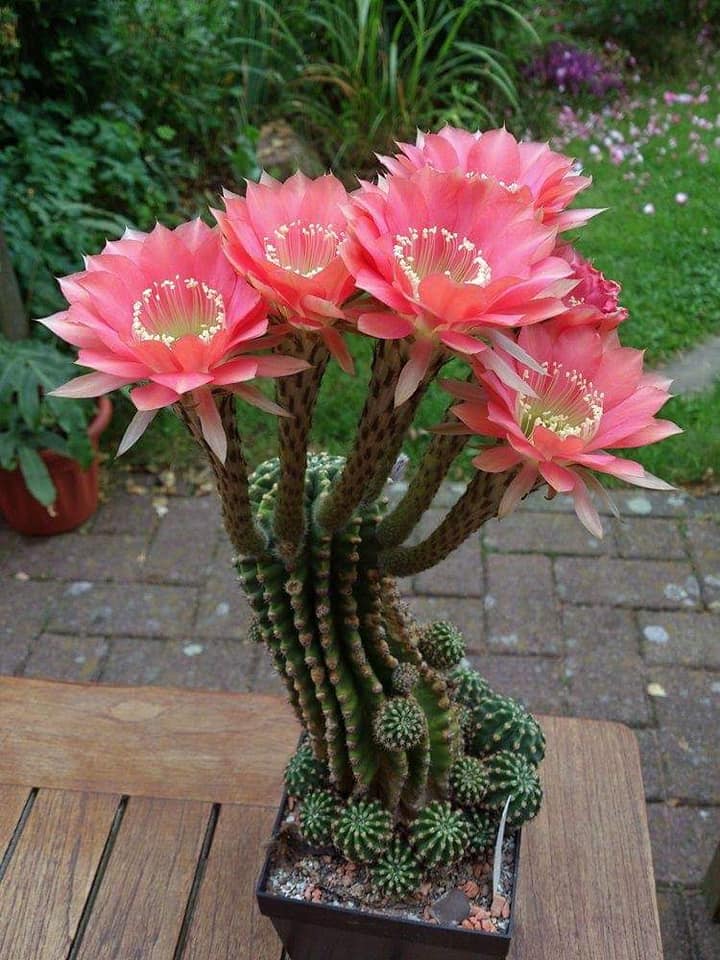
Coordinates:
(442, 645)
(469, 781)
(483, 829)
(305, 773)
(440, 834)
(400, 724)
(318, 813)
(500, 723)
(397, 872)
(362, 830)
(467, 686)
(404, 679)
(512, 776)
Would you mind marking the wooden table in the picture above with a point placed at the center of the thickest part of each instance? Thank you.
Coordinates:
(133, 820)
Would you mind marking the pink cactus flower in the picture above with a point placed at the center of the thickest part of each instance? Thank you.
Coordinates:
(455, 260)
(166, 310)
(595, 299)
(284, 238)
(593, 396)
(549, 178)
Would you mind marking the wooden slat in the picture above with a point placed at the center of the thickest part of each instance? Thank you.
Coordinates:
(141, 902)
(144, 741)
(587, 890)
(226, 924)
(12, 802)
(50, 874)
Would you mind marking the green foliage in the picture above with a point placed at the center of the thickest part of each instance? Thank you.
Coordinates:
(305, 773)
(440, 834)
(500, 723)
(318, 813)
(469, 781)
(31, 421)
(397, 872)
(400, 724)
(511, 775)
(467, 685)
(362, 830)
(483, 829)
(442, 645)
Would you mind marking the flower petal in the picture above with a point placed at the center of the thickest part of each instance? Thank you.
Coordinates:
(136, 428)
(211, 423)
(90, 385)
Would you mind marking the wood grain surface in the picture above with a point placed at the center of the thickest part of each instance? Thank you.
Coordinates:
(145, 741)
(48, 879)
(141, 901)
(226, 924)
(587, 890)
(12, 803)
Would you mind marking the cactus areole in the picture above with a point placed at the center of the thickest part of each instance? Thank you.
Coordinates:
(409, 758)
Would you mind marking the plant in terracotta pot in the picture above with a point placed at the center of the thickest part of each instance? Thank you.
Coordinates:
(48, 466)
(409, 761)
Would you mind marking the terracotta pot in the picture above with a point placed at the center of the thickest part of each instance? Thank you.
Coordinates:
(77, 489)
(318, 931)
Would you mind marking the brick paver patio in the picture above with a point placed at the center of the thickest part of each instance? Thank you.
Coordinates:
(625, 629)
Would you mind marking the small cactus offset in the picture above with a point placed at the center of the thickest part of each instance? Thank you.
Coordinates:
(442, 645)
(469, 781)
(483, 829)
(362, 830)
(304, 773)
(400, 724)
(440, 834)
(397, 872)
(318, 813)
(467, 686)
(404, 678)
(511, 775)
(500, 723)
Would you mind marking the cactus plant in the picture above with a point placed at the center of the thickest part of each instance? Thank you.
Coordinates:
(397, 872)
(512, 776)
(362, 830)
(483, 829)
(500, 723)
(318, 813)
(469, 781)
(443, 261)
(440, 834)
(304, 773)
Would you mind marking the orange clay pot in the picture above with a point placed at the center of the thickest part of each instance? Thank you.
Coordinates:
(77, 489)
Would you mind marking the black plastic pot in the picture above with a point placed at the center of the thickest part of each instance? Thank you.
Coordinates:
(317, 931)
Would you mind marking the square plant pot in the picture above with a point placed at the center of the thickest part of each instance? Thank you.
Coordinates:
(318, 931)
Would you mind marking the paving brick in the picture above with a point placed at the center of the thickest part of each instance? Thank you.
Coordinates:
(634, 502)
(522, 614)
(459, 575)
(530, 532)
(126, 513)
(536, 682)
(652, 771)
(686, 715)
(265, 678)
(538, 503)
(706, 934)
(674, 925)
(66, 658)
(686, 639)
(185, 541)
(467, 615)
(627, 583)
(223, 610)
(428, 522)
(25, 607)
(704, 539)
(683, 840)
(76, 556)
(9, 541)
(604, 666)
(212, 664)
(651, 537)
(14, 651)
(131, 609)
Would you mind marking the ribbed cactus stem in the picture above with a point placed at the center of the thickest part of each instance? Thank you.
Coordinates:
(476, 506)
(433, 469)
(297, 394)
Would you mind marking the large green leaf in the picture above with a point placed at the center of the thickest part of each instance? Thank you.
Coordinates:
(36, 476)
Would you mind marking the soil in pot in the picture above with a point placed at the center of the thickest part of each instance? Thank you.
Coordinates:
(77, 489)
(325, 908)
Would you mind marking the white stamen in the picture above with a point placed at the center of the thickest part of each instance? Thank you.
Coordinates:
(567, 403)
(435, 250)
(304, 249)
(181, 307)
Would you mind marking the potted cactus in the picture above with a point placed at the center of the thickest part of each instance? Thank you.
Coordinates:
(409, 763)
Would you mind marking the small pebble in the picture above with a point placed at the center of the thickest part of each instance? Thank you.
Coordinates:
(454, 907)
(496, 908)
(488, 926)
(470, 889)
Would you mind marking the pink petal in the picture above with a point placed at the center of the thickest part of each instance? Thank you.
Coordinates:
(384, 326)
(256, 398)
(211, 423)
(505, 373)
(557, 477)
(89, 385)
(136, 428)
(521, 485)
(152, 396)
(585, 510)
(278, 366)
(236, 371)
(497, 459)
(182, 382)
(339, 349)
(414, 370)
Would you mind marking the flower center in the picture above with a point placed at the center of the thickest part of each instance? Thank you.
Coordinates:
(183, 307)
(304, 249)
(566, 403)
(435, 250)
